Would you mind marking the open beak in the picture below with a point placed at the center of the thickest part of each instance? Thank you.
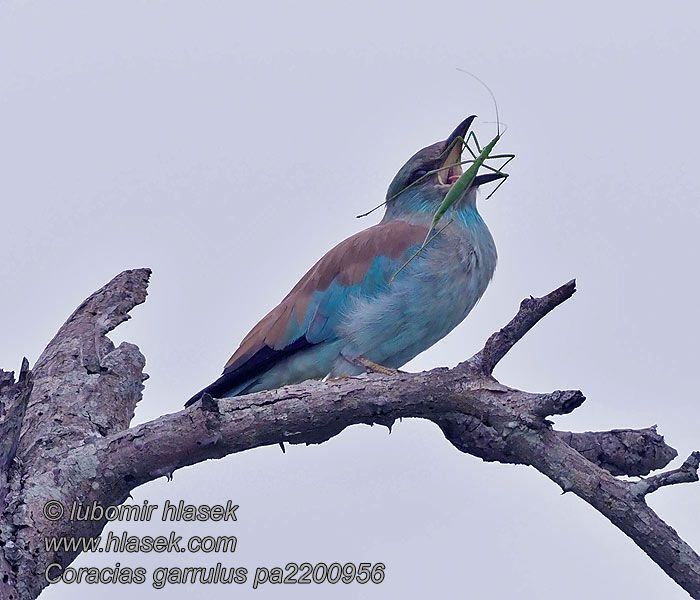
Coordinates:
(450, 167)
(487, 178)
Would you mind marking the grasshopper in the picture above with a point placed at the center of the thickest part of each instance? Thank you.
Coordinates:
(463, 184)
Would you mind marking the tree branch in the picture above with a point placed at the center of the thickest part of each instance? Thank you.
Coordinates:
(623, 451)
(13, 403)
(83, 385)
(686, 473)
(530, 312)
(88, 453)
(82, 388)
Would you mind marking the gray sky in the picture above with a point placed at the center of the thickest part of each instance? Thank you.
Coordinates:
(228, 145)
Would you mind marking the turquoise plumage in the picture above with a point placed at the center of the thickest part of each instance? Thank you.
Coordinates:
(347, 313)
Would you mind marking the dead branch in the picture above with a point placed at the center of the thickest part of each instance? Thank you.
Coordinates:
(73, 410)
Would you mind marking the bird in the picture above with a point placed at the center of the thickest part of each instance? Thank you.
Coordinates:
(357, 310)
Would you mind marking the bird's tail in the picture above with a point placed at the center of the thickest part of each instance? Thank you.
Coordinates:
(225, 386)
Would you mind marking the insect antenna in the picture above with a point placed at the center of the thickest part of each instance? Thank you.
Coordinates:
(493, 97)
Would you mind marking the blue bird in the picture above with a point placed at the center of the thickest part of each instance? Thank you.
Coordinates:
(346, 315)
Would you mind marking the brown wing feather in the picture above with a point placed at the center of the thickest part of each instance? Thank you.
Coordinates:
(347, 263)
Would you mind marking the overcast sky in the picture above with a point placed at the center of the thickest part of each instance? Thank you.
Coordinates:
(228, 145)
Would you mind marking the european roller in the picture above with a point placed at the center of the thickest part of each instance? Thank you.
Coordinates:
(349, 314)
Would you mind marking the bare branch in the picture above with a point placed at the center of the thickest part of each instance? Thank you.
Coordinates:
(75, 442)
(530, 312)
(623, 451)
(618, 503)
(686, 473)
(83, 385)
(309, 412)
(559, 403)
(82, 388)
(13, 404)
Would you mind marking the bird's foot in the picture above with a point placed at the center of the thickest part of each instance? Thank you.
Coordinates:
(374, 367)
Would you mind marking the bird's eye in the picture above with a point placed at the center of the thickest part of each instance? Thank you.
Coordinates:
(416, 175)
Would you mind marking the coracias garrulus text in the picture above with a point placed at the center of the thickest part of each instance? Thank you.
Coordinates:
(349, 314)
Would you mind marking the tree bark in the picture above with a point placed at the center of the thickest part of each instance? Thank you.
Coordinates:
(65, 434)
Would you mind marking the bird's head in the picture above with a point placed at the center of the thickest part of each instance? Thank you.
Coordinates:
(414, 189)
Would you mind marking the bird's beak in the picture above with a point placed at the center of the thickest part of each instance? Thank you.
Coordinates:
(450, 167)
(460, 131)
(487, 178)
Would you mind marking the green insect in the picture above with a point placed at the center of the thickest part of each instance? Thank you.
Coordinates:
(463, 184)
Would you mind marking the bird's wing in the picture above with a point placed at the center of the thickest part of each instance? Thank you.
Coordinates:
(308, 314)
(313, 301)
